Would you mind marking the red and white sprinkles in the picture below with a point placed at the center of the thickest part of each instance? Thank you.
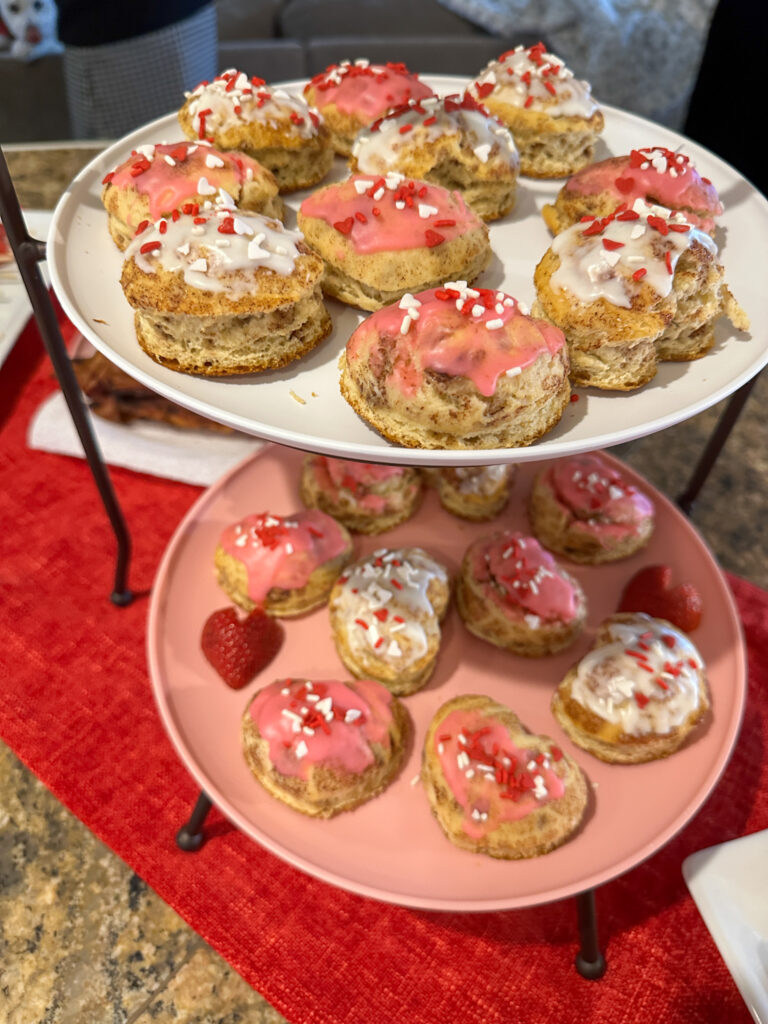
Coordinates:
(609, 257)
(646, 679)
(479, 305)
(233, 98)
(384, 604)
(365, 89)
(535, 80)
(209, 244)
(422, 122)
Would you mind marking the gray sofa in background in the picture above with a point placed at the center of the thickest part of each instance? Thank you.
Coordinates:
(279, 40)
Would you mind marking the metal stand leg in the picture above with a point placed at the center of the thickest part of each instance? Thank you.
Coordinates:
(29, 252)
(191, 837)
(590, 962)
(714, 446)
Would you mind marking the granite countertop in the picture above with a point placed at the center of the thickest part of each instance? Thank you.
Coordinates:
(82, 938)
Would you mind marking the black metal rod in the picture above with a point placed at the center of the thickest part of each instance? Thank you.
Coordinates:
(714, 446)
(590, 962)
(191, 837)
(28, 252)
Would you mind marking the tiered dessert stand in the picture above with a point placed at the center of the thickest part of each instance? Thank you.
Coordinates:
(300, 407)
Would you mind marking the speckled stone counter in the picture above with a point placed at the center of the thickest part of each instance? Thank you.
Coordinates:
(82, 939)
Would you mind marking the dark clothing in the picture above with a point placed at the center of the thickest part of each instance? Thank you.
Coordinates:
(85, 23)
(725, 109)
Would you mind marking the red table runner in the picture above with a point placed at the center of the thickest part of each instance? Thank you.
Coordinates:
(76, 706)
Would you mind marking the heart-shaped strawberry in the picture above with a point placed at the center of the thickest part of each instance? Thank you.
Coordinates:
(238, 647)
(650, 591)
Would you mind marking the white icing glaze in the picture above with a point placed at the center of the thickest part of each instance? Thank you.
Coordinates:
(377, 148)
(479, 479)
(605, 258)
(208, 248)
(388, 593)
(536, 80)
(232, 98)
(614, 685)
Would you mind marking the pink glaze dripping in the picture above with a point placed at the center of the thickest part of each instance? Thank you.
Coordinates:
(522, 578)
(366, 91)
(282, 551)
(169, 186)
(597, 498)
(486, 749)
(334, 475)
(334, 737)
(408, 213)
(484, 338)
(679, 186)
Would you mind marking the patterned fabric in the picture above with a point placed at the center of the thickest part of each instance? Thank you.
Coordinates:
(117, 87)
(76, 706)
(642, 57)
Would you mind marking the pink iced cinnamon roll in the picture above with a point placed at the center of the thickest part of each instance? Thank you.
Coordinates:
(367, 497)
(552, 116)
(637, 695)
(386, 611)
(655, 174)
(513, 594)
(284, 564)
(496, 788)
(350, 96)
(275, 127)
(450, 141)
(585, 509)
(456, 367)
(381, 236)
(157, 180)
(324, 746)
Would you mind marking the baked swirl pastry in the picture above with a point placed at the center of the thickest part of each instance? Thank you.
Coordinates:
(272, 126)
(474, 492)
(286, 565)
(631, 289)
(450, 141)
(219, 292)
(367, 497)
(513, 594)
(456, 367)
(552, 115)
(324, 746)
(382, 236)
(157, 179)
(584, 508)
(386, 611)
(496, 788)
(350, 96)
(654, 173)
(637, 695)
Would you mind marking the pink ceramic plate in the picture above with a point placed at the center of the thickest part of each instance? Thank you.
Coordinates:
(391, 848)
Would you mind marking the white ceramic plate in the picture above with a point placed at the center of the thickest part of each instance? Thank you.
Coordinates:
(301, 405)
(15, 306)
(730, 886)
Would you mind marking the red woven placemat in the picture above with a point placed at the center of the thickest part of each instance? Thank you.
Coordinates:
(77, 707)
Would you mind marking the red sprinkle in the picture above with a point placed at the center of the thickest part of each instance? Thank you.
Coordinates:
(611, 245)
(360, 622)
(150, 247)
(433, 238)
(107, 177)
(483, 90)
(162, 227)
(668, 261)
(142, 227)
(404, 128)
(381, 614)
(638, 274)
(574, 398)
(344, 226)
(641, 700)
(668, 639)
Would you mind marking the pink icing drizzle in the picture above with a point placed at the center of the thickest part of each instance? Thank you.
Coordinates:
(282, 551)
(335, 737)
(335, 475)
(168, 187)
(352, 212)
(639, 176)
(602, 502)
(520, 577)
(482, 339)
(487, 743)
(366, 90)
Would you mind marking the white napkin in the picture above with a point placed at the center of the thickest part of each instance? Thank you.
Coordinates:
(192, 456)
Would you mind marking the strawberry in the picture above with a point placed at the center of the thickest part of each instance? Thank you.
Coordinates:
(239, 647)
(649, 591)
